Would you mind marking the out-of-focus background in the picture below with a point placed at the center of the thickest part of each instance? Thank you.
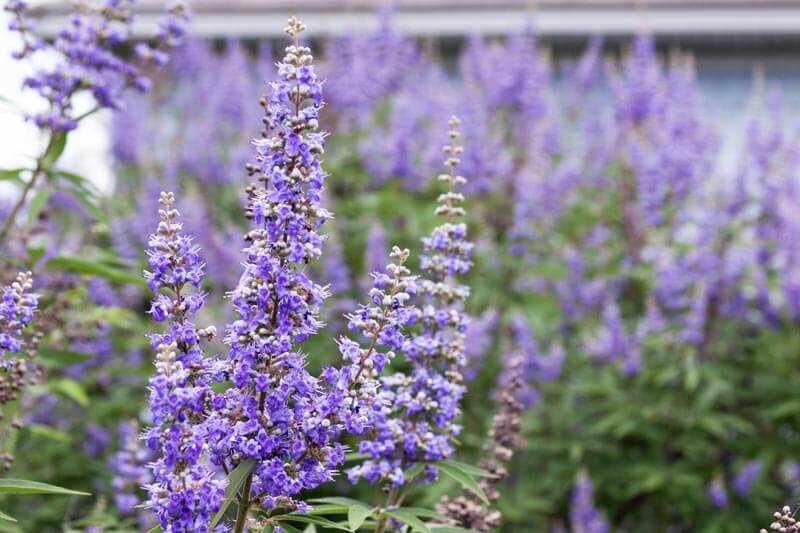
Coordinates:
(735, 44)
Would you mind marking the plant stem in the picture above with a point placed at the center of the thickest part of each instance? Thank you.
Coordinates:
(12, 216)
(383, 518)
(244, 505)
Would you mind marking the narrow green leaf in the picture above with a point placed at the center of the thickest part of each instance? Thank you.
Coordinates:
(413, 472)
(12, 174)
(54, 149)
(425, 513)
(235, 481)
(71, 389)
(338, 500)
(35, 253)
(23, 486)
(466, 481)
(47, 432)
(77, 265)
(62, 357)
(4, 516)
(156, 529)
(357, 514)
(328, 509)
(473, 471)
(307, 519)
(409, 518)
(355, 456)
(37, 203)
(289, 528)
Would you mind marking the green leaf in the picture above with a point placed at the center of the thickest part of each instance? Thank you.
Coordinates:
(466, 481)
(77, 265)
(35, 253)
(37, 203)
(54, 150)
(12, 174)
(4, 516)
(357, 514)
(235, 481)
(413, 472)
(426, 513)
(71, 389)
(47, 432)
(23, 486)
(156, 529)
(466, 468)
(408, 518)
(307, 519)
(62, 357)
(338, 500)
(451, 529)
(289, 528)
(328, 509)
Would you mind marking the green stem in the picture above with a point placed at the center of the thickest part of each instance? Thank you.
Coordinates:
(383, 518)
(244, 505)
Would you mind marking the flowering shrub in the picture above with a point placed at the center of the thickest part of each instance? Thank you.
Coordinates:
(598, 316)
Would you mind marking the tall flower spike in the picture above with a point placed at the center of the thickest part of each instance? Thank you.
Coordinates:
(185, 492)
(272, 415)
(355, 386)
(467, 510)
(417, 420)
(16, 312)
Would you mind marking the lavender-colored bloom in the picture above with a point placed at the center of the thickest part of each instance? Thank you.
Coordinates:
(375, 250)
(97, 440)
(613, 343)
(479, 340)
(746, 476)
(89, 59)
(717, 493)
(363, 69)
(428, 397)
(129, 466)
(278, 306)
(185, 492)
(354, 386)
(17, 307)
(584, 516)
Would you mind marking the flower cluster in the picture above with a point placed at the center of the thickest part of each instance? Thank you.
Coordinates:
(584, 516)
(17, 307)
(185, 491)
(785, 521)
(128, 464)
(90, 59)
(381, 322)
(418, 418)
(274, 413)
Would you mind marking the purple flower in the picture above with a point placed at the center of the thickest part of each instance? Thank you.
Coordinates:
(129, 466)
(185, 492)
(90, 61)
(417, 419)
(276, 413)
(17, 307)
(717, 493)
(584, 516)
(746, 477)
(480, 336)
